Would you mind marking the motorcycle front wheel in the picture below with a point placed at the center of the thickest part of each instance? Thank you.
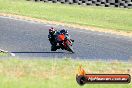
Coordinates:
(69, 47)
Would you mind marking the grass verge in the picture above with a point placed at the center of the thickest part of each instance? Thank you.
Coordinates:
(118, 19)
(3, 54)
(55, 73)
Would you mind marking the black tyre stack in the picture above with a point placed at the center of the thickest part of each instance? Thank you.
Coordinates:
(106, 3)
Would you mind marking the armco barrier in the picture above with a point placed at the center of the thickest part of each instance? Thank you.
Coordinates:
(106, 3)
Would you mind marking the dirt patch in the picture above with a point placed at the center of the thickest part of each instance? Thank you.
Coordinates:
(128, 34)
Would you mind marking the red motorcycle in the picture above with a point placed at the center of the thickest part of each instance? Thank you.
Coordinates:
(65, 42)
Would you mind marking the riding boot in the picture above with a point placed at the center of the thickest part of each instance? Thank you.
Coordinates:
(72, 40)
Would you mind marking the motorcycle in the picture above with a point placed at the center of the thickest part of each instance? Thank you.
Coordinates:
(65, 42)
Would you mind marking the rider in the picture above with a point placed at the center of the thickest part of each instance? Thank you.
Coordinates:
(52, 37)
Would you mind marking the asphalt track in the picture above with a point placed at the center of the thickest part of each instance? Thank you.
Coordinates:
(29, 38)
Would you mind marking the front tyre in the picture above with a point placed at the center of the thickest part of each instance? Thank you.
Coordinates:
(69, 47)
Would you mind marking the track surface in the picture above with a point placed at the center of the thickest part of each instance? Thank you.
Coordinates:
(28, 38)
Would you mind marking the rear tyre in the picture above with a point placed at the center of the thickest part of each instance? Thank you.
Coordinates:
(53, 48)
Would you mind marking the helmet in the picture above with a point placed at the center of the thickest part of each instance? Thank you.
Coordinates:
(63, 31)
(51, 30)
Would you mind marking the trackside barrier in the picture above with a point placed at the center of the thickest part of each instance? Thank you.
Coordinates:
(106, 3)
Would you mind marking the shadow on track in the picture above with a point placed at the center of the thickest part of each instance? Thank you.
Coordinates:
(38, 52)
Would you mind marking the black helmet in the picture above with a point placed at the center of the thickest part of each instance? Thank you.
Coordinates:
(63, 31)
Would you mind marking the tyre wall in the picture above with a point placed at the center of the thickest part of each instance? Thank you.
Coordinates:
(106, 3)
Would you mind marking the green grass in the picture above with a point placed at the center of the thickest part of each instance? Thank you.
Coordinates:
(118, 19)
(54, 73)
(3, 54)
